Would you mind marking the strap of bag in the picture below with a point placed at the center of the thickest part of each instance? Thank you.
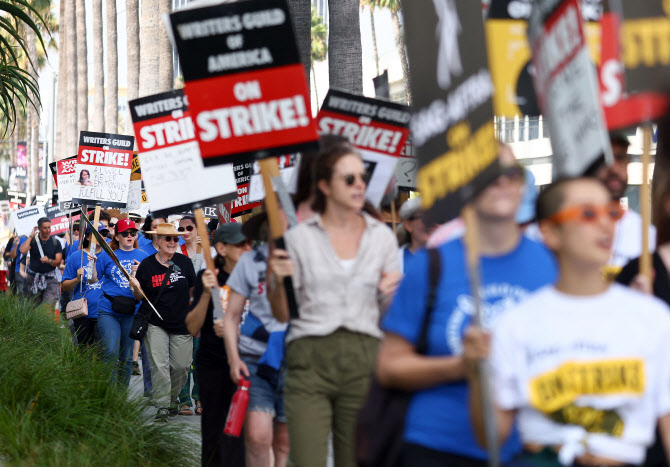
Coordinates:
(434, 270)
(165, 280)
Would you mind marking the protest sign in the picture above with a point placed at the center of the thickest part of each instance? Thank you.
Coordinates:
(135, 169)
(242, 205)
(24, 220)
(452, 119)
(565, 84)
(510, 56)
(287, 169)
(406, 168)
(377, 128)
(246, 86)
(17, 199)
(103, 169)
(134, 196)
(173, 172)
(60, 221)
(4, 207)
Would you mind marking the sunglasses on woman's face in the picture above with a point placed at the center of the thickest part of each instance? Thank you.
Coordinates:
(350, 179)
(188, 228)
(514, 173)
(111, 225)
(587, 214)
(170, 238)
(127, 233)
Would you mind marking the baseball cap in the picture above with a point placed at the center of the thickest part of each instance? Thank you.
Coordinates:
(101, 226)
(125, 224)
(230, 233)
(410, 208)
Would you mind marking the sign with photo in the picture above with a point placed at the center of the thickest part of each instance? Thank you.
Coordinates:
(172, 169)
(566, 88)
(103, 169)
(452, 110)
(246, 87)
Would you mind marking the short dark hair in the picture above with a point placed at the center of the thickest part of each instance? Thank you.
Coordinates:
(550, 200)
(42, 220)
(188, 217)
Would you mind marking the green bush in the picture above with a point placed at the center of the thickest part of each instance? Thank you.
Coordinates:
(57, 406)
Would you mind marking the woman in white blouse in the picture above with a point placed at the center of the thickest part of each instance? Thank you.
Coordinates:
(344, 267)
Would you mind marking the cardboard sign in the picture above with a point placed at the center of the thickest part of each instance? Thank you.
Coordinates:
(566, 88)
(24, 220)
(4, 207)
(169, 155)
(60, 221)
(287, 170)
(103, 169)
(452, 119)
(377, 128)
(645, 37)
(242, 205)
(134, 196)
(135, 170)
(246, 86)
(510, 56)
(17, 198)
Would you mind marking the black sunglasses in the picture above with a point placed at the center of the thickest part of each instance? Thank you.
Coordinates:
(111, 225)
(189, 228)
(513, 172)
(350, 179)
(170, 238)
(126, 233)
(103, 232)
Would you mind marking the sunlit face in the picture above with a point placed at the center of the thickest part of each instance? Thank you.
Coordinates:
(167, 244)
(45, 229)
(339, 190)
(186, 224)
(588, 243)
(500, 200)
(128, 241)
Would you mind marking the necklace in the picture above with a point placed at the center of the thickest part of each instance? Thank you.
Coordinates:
(160, 260)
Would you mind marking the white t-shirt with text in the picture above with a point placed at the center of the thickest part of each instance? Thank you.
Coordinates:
(589, 373)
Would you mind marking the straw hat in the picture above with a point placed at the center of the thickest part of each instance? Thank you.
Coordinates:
(166, 229)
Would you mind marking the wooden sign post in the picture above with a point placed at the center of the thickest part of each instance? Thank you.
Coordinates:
(472, 262)
(645, 202)
(94, 241)
(206, 253)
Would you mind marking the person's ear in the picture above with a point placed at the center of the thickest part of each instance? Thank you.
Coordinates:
(324, 186)
(550, 234)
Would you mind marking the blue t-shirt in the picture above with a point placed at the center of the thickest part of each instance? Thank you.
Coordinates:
(92, 292)
(149, 249)
(115, 282)
(142, 241)
(19, 256)
(439, 418)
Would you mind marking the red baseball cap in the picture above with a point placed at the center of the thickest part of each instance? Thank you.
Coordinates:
(125, 224)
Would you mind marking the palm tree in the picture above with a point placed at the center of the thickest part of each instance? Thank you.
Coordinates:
(133, 39)
(82, 68)
(72, 135)
(61, 131)
(394, 8)
(16, 83)
(149, 55)
(301, 14)
(371, 4)
(345, 60)
(319, 49)
(165, 68)
(98, 70)
(112, 107)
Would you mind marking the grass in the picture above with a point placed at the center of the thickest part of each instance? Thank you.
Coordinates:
(58, 408)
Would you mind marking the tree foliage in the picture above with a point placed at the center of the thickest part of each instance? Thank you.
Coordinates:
(319, 38)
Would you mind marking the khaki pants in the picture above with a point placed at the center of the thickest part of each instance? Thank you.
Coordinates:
(169, 359)
(327, 380)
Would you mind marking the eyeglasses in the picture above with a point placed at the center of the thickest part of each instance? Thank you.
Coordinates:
(513, 172)
(127, 233)
(170, 238)
(188, 228)
(111, 225)
(588, 213)
(350, 179)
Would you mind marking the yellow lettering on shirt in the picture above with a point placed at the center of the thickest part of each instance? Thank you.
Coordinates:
(559, 388)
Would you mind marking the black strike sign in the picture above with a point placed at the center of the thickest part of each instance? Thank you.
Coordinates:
(246, 87)
(452, 121)
(17, 197)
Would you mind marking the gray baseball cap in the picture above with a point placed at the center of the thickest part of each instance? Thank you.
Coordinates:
(230, 233)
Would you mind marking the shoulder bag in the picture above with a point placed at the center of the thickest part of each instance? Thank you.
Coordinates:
(141, 320)
(78, 308)
(380, 424)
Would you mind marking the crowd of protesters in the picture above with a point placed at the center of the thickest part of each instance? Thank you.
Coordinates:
(579, 367)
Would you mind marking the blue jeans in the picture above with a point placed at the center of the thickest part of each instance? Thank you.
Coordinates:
(265, 396)
(117, 345)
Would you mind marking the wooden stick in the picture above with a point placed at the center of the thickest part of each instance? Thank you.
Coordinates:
(645, 202)
(471, 241)
(94, 241)
(395, 227)
(269, 170)
(206, 253)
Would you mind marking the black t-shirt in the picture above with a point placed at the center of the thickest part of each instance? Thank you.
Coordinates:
(51, 248)
(173, 304)
(661, 279)
(212, 351)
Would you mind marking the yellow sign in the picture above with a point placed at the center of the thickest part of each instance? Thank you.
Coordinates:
(509, 61)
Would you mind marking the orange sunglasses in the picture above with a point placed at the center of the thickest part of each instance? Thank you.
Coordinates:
(588, 213)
